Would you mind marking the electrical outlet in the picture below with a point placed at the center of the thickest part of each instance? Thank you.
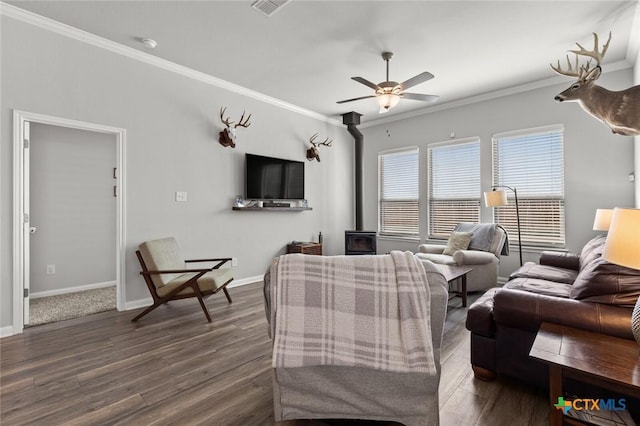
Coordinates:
(51, 269)
(181, 196)
(234, 261)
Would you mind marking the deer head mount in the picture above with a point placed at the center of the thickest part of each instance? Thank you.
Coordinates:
(227, 137)
(314, 152)
(620, 111)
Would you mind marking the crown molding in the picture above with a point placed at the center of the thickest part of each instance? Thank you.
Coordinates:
(129, 52)
(634, 39)
(95, 40)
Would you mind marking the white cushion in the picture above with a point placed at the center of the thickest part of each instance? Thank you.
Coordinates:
(210, 281)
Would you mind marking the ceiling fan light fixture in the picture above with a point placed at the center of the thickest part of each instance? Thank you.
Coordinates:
(387, 101)
(388, 92)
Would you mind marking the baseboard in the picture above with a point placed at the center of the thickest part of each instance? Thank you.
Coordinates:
(140, 303)
(245, 281)
(502, 281)
(6, 331)
(60, 291)
(143, 303)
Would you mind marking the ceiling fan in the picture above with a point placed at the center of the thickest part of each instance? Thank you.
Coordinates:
(388, 93)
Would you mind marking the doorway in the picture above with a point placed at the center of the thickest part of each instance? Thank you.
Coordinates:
(72, 199)
(54, 224)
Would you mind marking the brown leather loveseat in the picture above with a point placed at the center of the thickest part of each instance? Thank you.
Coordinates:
(582, 291)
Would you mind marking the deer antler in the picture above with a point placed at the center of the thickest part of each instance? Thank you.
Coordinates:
(227, 121)
(245, 123)
(578, 71)
(326, 142)
(595, 54)
(581, 71)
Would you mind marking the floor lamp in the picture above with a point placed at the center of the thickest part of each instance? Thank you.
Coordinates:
(498, 198)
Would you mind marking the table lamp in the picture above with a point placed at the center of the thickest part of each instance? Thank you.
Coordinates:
(622, 247)
(602, 220)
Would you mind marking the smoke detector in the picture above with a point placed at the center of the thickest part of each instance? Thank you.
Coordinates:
(268, 7)
(149, 43)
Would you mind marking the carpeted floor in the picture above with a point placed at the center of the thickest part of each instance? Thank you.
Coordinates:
(71, 305)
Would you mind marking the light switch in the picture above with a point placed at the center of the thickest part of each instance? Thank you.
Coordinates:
(181, 196)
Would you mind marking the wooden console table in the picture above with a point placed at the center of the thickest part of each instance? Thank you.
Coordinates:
(305, 248)
(605, 361)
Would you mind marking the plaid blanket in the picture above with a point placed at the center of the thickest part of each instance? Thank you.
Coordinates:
(364, 311)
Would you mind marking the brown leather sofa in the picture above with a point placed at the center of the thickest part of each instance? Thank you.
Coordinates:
(582, 291)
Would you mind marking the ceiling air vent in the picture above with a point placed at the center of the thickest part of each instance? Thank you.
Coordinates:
(268, 7)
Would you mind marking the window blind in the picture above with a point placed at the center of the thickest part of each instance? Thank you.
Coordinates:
(454, 185)
(398, 210)
(532, 162)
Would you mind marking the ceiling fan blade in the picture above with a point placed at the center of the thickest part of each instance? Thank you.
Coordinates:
(356, 99)
(413, 81)
(420, 97)
(366, 82)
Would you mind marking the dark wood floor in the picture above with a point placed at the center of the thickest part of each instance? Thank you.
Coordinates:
(173, 367)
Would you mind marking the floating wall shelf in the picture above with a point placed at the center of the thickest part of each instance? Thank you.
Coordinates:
(280, 209)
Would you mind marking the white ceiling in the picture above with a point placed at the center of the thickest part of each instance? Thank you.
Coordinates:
(306, 52)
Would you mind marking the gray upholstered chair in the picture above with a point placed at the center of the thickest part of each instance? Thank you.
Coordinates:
(483, 257)
(168, 277)
(339, 392)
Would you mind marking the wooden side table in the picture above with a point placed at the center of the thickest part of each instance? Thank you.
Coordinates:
(305, 248)
(452, 273)
(605, 361)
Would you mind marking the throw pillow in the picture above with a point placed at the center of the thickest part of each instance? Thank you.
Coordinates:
(457, 241)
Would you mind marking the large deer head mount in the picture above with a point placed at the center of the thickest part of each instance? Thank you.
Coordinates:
(227, 137)
(314, 152)
(620, 111)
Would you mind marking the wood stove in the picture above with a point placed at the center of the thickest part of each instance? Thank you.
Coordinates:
(360, 242)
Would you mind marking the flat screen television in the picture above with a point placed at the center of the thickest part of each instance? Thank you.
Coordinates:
(268, 178)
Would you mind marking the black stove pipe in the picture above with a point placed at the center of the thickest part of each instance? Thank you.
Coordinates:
(351, 119)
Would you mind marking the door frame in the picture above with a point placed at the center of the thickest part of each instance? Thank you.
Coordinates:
(21, 194)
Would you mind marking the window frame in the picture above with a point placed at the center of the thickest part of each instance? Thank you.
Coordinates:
(476, 201)
(385, 231)
(527, 202)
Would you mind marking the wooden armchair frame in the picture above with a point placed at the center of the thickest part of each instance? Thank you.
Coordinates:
(192, 282)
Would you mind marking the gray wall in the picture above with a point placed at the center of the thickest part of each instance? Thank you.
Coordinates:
(172, 127)
(597, 163)
(72, 206)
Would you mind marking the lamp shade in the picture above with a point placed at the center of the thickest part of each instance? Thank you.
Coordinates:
(387, 101)
(602, 220)
(622, 246)
(495, 198)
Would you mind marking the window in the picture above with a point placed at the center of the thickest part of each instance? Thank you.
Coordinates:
(531, 161)
(398, 192)
(454, 185)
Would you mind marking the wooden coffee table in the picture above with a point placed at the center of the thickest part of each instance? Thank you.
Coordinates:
(605, 361)
(452, 273)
